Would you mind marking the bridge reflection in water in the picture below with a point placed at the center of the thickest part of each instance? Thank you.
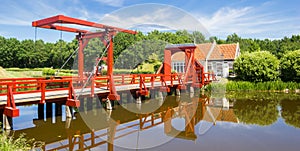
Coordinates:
(93, 126)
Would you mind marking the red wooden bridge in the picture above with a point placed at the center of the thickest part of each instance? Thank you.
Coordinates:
(19, 91)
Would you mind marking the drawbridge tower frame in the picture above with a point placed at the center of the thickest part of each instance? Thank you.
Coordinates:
(83, 37)
(193, 70)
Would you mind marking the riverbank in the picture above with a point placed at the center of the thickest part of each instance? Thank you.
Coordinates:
(270, 86)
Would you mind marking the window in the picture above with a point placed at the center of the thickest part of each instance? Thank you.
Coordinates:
(178, 67)
(230, 64)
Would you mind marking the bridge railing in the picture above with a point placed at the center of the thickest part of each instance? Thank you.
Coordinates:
(127, 79)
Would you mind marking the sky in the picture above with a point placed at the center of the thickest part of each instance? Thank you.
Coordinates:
(261, 19)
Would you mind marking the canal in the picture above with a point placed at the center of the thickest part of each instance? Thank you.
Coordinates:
(237, 121)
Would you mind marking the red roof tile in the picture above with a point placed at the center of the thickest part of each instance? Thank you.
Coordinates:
(228, 50)
(220, 52)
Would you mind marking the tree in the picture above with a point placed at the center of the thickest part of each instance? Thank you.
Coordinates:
(139, 53)
(125, 40)
(198, 37)
(290, 66)
(8, 51)
(257, 66)
(249, 45)
(234, 38)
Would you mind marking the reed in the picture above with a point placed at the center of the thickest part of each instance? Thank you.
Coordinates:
(258, 86)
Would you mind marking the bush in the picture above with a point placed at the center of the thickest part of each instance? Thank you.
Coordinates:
(290, 66)
(257, 66)
(48, 71)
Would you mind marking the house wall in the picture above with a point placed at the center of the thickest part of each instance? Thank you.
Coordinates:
(220, 68)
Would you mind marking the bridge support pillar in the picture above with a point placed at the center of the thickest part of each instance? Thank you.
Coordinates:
(7, 122)
(108, 115)
(160, 94)
(152, 93)
(177, 92)
(68, 123)
(68, 111)
(192, 90)
(138, 100)
(98, 102)
(41, 111)
(160, 101)
(49, 110)
(89, 103)
(108, 105)
(58, 111)
(129, 97)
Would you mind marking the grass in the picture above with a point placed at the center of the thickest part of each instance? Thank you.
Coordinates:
(9, 143)
(252, 86)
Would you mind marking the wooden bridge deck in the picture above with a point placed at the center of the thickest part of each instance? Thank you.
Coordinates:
(60, 94)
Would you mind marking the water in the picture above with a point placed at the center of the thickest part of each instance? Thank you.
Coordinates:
(239, 121)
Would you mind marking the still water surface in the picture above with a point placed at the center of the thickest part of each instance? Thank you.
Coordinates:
(261, 122)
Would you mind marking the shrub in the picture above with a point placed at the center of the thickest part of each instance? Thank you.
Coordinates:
(290, 66)
(257, 66)
(48, 71)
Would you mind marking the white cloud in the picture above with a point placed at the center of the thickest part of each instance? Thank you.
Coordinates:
(249, 21)
(23, 13)
(114, 3)
(153, 14)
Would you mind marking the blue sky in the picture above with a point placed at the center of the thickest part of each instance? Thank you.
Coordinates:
(248, 18)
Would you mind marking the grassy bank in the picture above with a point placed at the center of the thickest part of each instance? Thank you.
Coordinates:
(251, 86)
(33, 72)
(40, 72)
(9, 143)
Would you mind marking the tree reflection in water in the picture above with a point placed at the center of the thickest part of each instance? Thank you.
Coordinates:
(290, 111)
(256, 111)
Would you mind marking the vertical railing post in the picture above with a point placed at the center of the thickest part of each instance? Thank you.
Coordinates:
(14, 87)
(43, 92)
(141, 82)
(92, 86)
(152, 81)
(123, 79)
(172, 80)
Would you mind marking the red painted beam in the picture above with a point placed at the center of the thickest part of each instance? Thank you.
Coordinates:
(49, 22)
(63, 28)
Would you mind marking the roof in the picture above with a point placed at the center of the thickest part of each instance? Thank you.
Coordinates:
(228, 50)
(220, 52)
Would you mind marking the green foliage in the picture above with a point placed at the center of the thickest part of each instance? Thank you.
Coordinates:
(276, 47)
(290, 66)
(257, 66)
(139, 53)
(49, 71)
(9, 143)
(252, 86)
(39, 54)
